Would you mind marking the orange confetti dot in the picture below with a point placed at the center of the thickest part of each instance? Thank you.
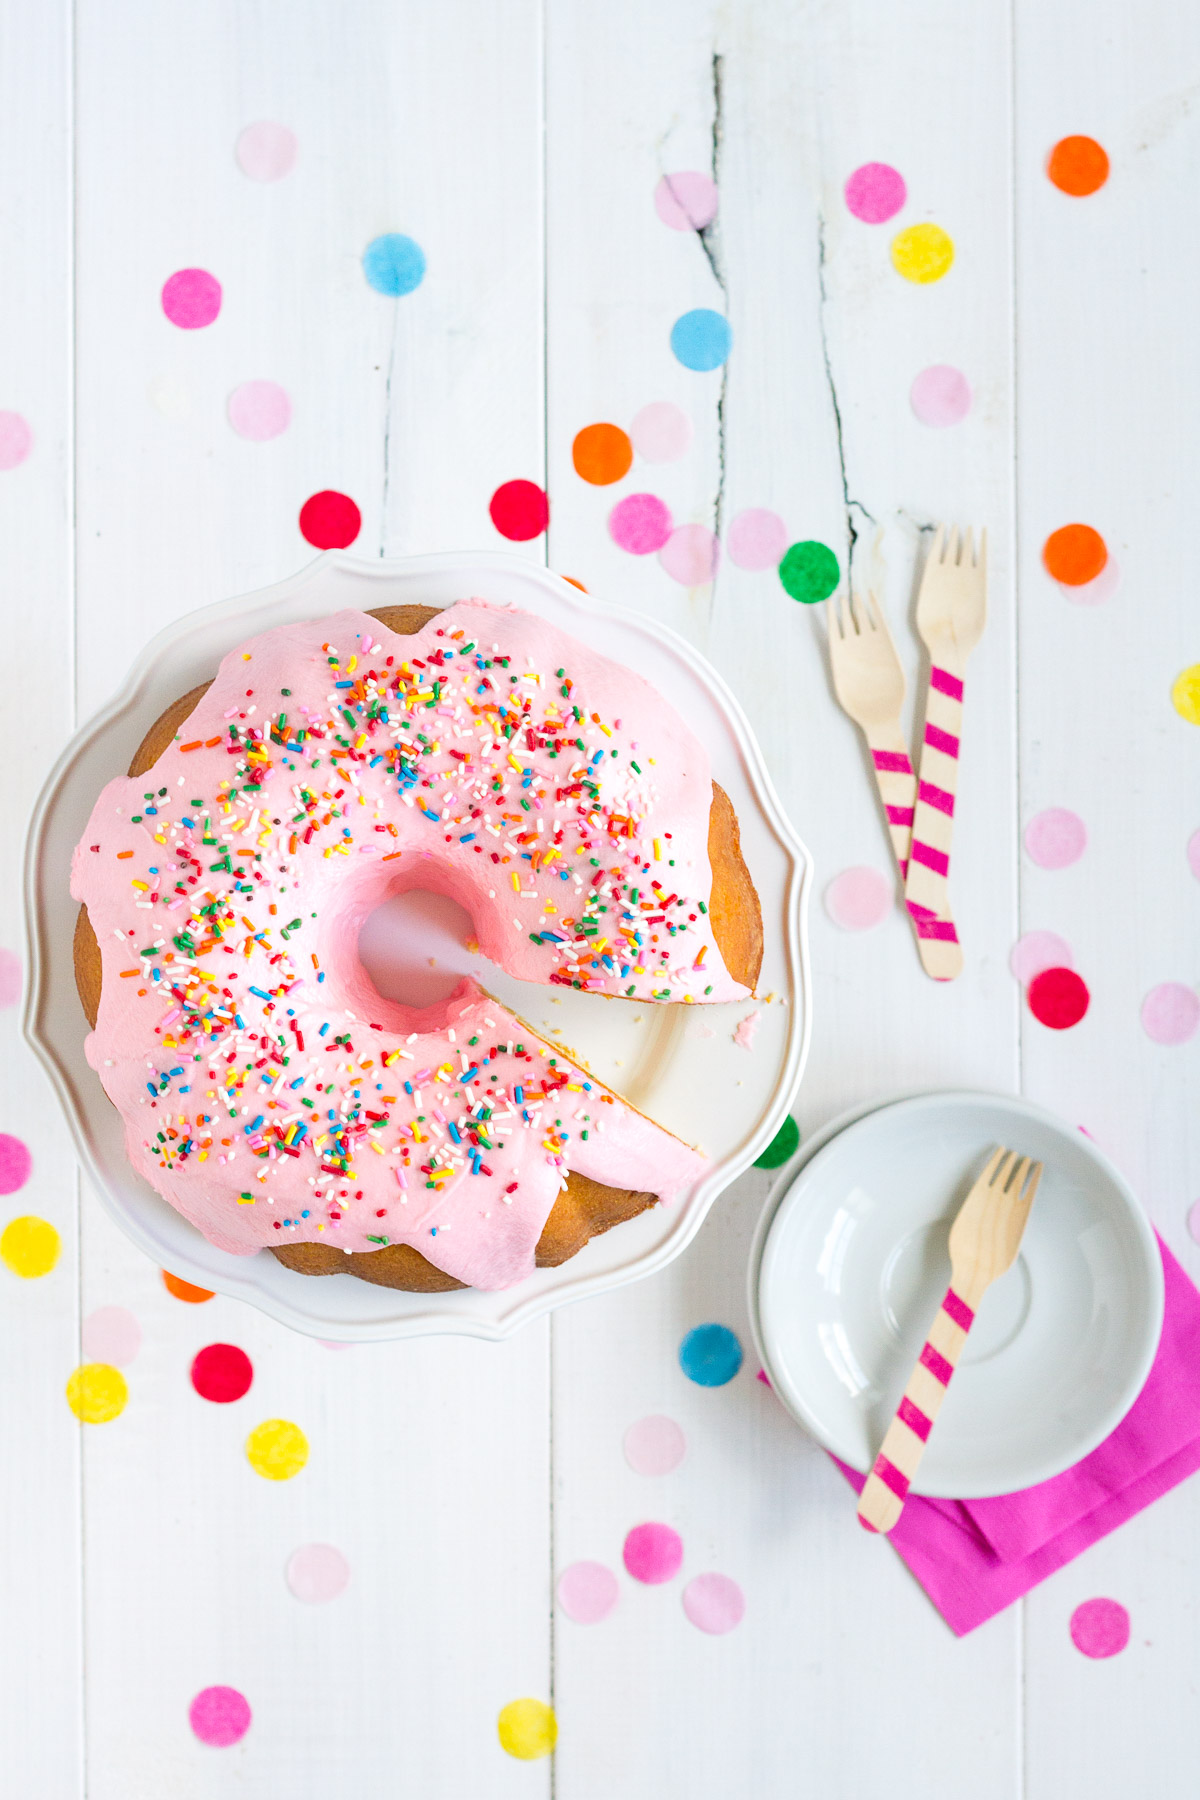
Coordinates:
(602, 454)
(1078, 165)
(575, 583)
(1074, 554)
(183, 1290)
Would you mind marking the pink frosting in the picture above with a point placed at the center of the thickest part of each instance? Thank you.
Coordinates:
(269, 1092)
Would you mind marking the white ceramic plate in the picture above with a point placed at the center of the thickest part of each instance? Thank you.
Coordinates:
(679, 1064)
(850, 1265)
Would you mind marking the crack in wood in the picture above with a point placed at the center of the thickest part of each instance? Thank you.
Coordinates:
(850, 505)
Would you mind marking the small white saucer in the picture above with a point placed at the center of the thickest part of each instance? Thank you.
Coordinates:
(851, 1263)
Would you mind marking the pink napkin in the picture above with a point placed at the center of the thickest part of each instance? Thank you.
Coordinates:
(975, 1557)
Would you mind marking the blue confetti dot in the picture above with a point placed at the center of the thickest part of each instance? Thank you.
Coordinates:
(394, 264)
(702, 339)
(710, 1355)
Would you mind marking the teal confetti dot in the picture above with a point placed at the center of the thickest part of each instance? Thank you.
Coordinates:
(710, 1355)
(809, 571)
(394, 264)
(781, 1146)
(702, 339)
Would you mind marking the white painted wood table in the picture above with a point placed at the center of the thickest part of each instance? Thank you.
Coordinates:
(520, 146)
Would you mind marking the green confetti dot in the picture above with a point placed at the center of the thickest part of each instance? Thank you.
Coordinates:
(809, 571)
(781, 1146)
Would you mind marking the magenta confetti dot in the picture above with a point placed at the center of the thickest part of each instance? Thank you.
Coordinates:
(219, 1716)
(654, 1445)
(714, 1603)
(640, 523)
(1055, 838)
(1193, 856)
(1036, 951)
(316, 1573)
(259, 410)
(587, 1592)
(266, 151)
(653, 1553)
(1171, 1013)
(875, 193)
(16, 439)
(191, 298)
(111, 1334)
(940, 395)
(757, 539)
(690, 555)
(1100, 1627)
(10, 975)
(1102, 587)
(661, 432)
(686, 200)
(15, 1163)
(858, 898)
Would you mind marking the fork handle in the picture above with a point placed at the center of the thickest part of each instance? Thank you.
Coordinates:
(882, 1499)
(897, 784)
(926, 887)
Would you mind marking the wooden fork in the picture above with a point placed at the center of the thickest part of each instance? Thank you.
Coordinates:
(869, 683)
(951, 614)
(984, 1240)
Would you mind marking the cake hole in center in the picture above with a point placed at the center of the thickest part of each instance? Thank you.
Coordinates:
(414, 947)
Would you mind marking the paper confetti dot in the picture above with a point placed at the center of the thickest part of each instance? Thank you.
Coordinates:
(1056, 838)
(259, 410)
(654, 1445)
(1185, 695)
(222, 1372)
(602, 454)
(587, 1592)
(781, 1147)
(15, 1163)
(875, 193)
(10, 978)
(922, 253)
(1100, 1627)
(1058, 998)
(317, 1573)
(520, 510)
(710, 1355)
(266, 151)
(690, 555)
(1074, 554)
(1193, 854)
(527, 1729)
(184, 1290)
(329, 520)
(859, 898)
(1078, 165)
(394, 264)
(16, 439)
(277, 1449)
(653, 1553)
(29, 1247)
(191, 298)
(714, 1603)
(219, 1716)
(97, 1393)
(940, 395)
(170, 396)
(702, 339)
(757, 539)
(1038, 950)
(809, 571)
(1170, 1015)
(686, 200)
(1102, 587)
(661, 432)
(111, 1334)
(640, 523)
(1193, 1220)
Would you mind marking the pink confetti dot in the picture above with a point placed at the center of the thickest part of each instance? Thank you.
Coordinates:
(1171, 1013)
(1036, 951)
(16, 439)
(654, 1445)
(1055, 838)
(653, 1553)
(259, 410)
(111, 1334)
(1193, 1220)
(266, 151)
(10, 975)
(316, 1573)
(587, 1592)
(690, 555)
(661, 432)
(219, 1716)
(1102, 587)
(640, 523)
(1100, 1627)
(875, 193)
(686, 200)
(15, 1163)
(714, 1603)
(858, 898)
(1193, 856)
(191, 298)
(757, 539)
(940, 395)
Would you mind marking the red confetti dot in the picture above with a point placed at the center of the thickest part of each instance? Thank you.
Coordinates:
(520, 510)
(329, 520)
(1058, 998)
(222, 1372)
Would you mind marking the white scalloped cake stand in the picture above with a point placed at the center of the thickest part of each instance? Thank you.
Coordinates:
(679, 1064)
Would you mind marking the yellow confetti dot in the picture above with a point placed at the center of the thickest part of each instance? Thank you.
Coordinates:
(277, 1449)
(528, 1729)
(1185, 697)
(30, 1246)
(97, 1393)
(922, 253)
